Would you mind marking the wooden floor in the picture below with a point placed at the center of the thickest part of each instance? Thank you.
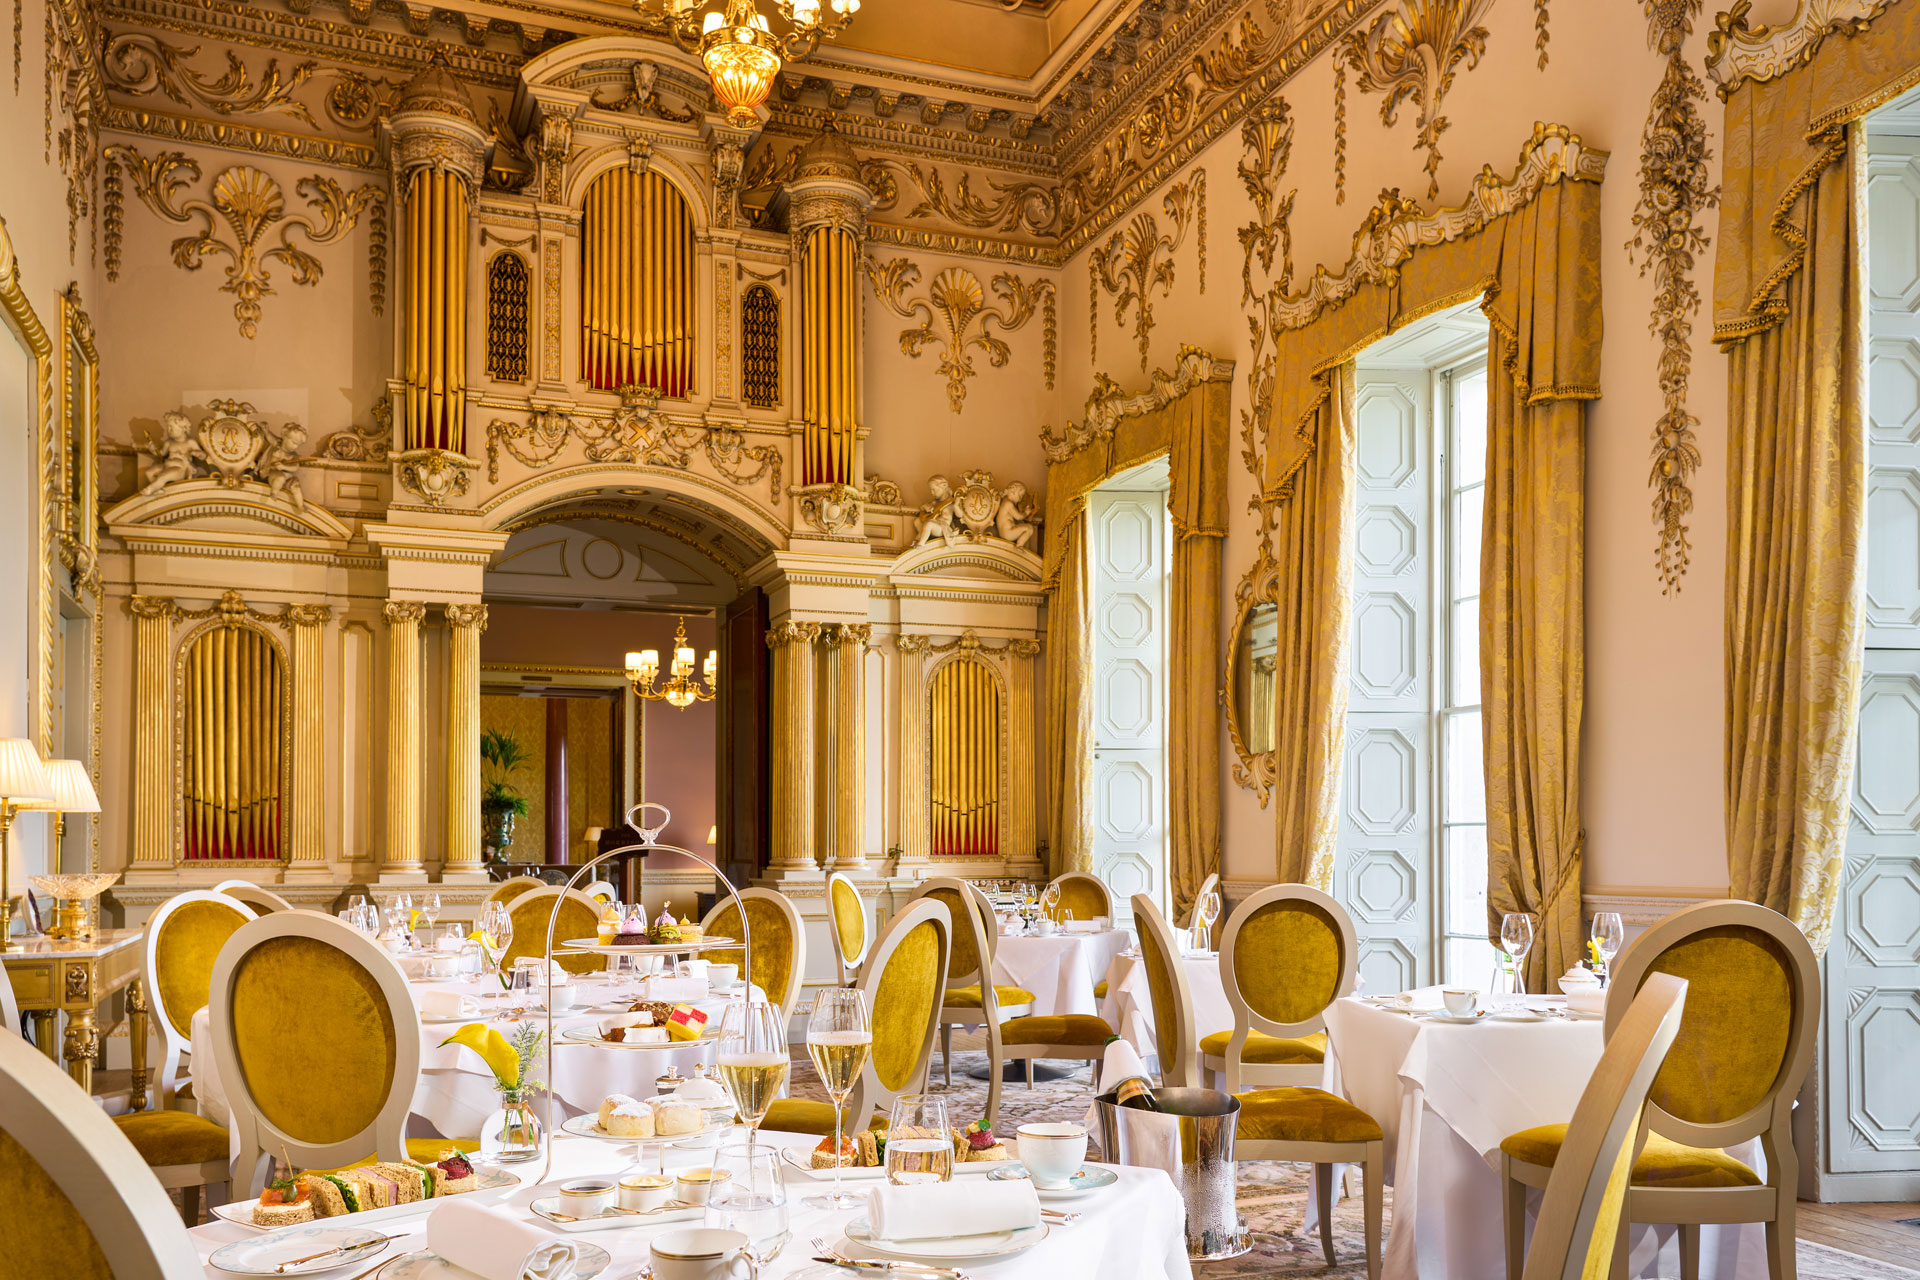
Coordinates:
(1872, 1230)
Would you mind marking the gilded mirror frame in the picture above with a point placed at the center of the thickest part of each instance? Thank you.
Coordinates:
(1253, 770)
(77, 420)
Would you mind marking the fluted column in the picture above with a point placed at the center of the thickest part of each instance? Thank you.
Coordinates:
(306, 845)
(152, 732)
(849, 647)
(792, 749)
(467, 622)
(914, 798)
(1022, 777)
(402, 855)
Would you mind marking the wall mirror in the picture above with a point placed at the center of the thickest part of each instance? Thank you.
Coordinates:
(1248, 688)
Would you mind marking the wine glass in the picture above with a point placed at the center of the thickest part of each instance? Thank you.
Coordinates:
(752, 1058)
(918, 1148)
(496, 930)
(751, 1199)
(1206, 912)
(430, 908)
(1516, 939)
(1608, 935)
(839, 1038)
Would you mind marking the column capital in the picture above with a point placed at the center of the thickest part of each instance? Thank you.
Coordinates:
(403, 611)
(1024, 648)
(308, 615)
(152, 606)
(787, 633)
(849, 635)
(467, 615)
(913, 644)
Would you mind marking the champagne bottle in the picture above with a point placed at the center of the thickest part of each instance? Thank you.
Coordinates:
(1135, 1093)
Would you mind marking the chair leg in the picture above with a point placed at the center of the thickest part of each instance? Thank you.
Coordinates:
(946, 1052)
(190, 1205)
(1029, 1073)
(1514, 1209)
(1323, 1189)
(1689, 1251)
(1375, 1175)
(1780, 1259)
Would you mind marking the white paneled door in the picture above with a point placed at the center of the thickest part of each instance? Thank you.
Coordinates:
(1130, 552)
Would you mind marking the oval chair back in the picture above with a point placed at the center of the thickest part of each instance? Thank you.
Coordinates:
(261, 901)
(530, 913)
(779, 944)
(317, 1040)
(1288, 952)
(512, 887)
(1586, 1195)
(183, 939)
(973, 948)
(1082, 896)
(79, 1201)
(1172, 999)
(848, 925)
(904, 978)
(602, 891)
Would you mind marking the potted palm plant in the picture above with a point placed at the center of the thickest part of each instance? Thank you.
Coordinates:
(500, 803)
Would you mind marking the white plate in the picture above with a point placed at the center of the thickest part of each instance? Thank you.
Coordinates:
(599, 948)
(980, 1248)
(263, 1255)
(1518, 1015)
(800, 1160)
(591, 1035)
(1456, 1019)
(1581, 1015)
(1083, 1184)
(587, 1125)
(589, 1260)
(546, 1205)
(495, 1182)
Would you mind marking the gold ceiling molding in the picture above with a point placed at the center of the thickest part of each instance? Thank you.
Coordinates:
(1129, 267)
(1109, 403)
(1021, 207)
(166, 127)
(1395, 227)
(1268, 138)
(1738, 51)
(634, 434)
(955, 314)
(252, 207)
(139, 63)
(1410, 53)
(1668, 235)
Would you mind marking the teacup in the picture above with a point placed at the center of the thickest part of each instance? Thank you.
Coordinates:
(721, 977)
(588, 1197)
(1461, 1002)
(642, 1192)
(1045, 927)
(701, 1253)
(559, 999)
(1052, 1153)
(695, 1185)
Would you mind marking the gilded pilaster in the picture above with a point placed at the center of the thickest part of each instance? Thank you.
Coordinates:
(849, 648)
(403, 736)
(793, 745)
(466, 622)
(306, 847)
(1020, 795)
(914, 797)
(152, 720)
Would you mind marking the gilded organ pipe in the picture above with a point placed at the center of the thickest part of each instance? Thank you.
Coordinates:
(435, 339)
(235, 691)
(964, 760)
(636, 285)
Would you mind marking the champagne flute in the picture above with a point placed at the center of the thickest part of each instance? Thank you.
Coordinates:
(919, 1149)
(752, 1058)
(1050, 902)
(1516, 939)
(430, 908)
(839, 1038)
(496, 927)
(1608, 935)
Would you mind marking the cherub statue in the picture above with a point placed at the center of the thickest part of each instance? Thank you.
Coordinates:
(173, 454)
(1015, 521)
(278, 470)
(936, 519)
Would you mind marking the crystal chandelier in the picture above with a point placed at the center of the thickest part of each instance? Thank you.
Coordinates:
(679, 689)
(740, 51)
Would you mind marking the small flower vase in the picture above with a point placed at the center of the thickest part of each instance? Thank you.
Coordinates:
(512, 1134)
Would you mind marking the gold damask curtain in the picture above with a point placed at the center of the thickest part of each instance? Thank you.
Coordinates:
(1197, 502)
(1069, 706)
(1788, 311)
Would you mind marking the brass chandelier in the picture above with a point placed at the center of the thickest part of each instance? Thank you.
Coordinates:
(680, 690)
(740, 51)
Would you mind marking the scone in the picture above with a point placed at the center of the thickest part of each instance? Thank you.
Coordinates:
(613, 1102)
(674, 1116)
(633, 1120)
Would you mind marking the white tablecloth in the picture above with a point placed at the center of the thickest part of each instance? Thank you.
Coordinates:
(1060, 969)
(1446, 1096)
(1128, 1007)
(1132, 1231)
(455, 1094)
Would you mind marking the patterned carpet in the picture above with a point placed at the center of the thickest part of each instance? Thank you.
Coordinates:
(1272, 1196)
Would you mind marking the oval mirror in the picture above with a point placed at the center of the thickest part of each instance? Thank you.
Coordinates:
(1253, 667)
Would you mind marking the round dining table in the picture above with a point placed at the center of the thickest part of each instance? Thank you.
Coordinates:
(1128, 1007)
(1060, 969)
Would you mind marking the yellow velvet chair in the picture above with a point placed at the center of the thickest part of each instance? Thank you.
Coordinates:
(512, 887)
(1287, 953)
(317, 1041)
(261, 901)
(972, 997)
(779, 943)
(532, 911)
(848, 925)
(1744, 1048)
(182, 938)
(77, 1202)
(1306, 1125)
(903, 981)
(1082, 896)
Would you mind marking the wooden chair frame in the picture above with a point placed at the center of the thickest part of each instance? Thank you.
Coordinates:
(989, 1013)
(174, 1044)
(259, 900)
(869, 1095)
(1106, 894)
(1770, 1120)
(602, 890)
(385, 1135)
(797, 971)
(849, 965)
(1262, 1075)
(1371, 1156)
(1184, 1071)
(1609, 1116)
(93, 1164)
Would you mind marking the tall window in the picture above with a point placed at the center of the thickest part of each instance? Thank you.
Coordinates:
(1463, 792)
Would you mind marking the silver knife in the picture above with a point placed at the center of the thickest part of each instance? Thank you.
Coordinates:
(284, 1267)
(911, 1268)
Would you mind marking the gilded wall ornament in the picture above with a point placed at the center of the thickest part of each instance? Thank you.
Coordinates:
(75, 85)
(634, 435)
(1268, 138)
(1021, 207)
(138, 64)
(1541, 35)
(1411, 53)
(250, 205)
(363, 444)
(975, 511)
(230, 444)
(1667, 236)
(957, 316)
(1129, 265)
(642, 97)
(834, 510)
(435, 476)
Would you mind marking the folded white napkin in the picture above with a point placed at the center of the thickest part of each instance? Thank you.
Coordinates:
(1081, 926)
(444, 1004)
(1594, 1001)
(494, 1246)
(937, 1210)
(1153, 1140)
(1420, 999)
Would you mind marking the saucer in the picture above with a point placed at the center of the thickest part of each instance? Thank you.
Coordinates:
(1083, 1183)
(1455, 1019)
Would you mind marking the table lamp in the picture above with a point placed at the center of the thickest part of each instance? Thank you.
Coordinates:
(72, 793)
(23, 785)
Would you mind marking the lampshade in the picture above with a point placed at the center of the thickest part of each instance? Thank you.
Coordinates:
(713, 835)
(23, 778)
(72, 788)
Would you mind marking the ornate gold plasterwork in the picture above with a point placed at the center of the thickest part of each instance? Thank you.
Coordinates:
(363, 444)
(835, 510)
(138, 64)
(231, 444)
(435, 476)
(1252, 769)
(75, 86)
(1022, 207)
(955, 314)
(1109, 404)
(1541, 35)
(642, 96)
(1268, 138)
(1738, 51)
(1668, 234)
(251, 206)
(976, 511)
(634, 434)
(1128, 265)
(1412, 53)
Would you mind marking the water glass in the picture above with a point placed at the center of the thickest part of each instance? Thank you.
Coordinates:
(1608, 936)
(1516, 939)
(751, 1199)
(430, 908)
(919, 1145)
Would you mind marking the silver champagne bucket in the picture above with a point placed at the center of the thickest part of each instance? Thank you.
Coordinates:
(1191, 1137)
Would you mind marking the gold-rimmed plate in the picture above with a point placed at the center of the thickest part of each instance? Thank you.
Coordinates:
(986, 1247)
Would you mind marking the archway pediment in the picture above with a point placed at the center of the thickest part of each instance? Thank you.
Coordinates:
(211, 511)
(989, 559)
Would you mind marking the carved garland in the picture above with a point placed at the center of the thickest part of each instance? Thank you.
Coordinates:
(1410, 53)
(1668, 233)
(633, 435)
(1128, 265)
(1268, 137)
(956, 315)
